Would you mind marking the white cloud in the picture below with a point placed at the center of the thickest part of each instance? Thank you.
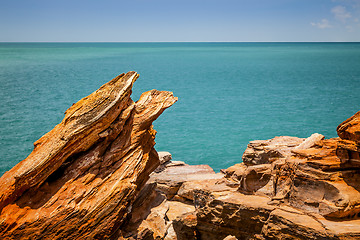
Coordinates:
(324, 23)
(340, 13)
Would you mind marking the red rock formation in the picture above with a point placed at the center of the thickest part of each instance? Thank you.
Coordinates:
(349, 129)
(85, 180)
(310, 190)
(83, 176)
(286, 188)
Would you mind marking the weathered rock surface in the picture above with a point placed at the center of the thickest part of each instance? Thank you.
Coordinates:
(164, 157)
(310, 141)
(169, 195)
(349, 129)
(286, 188)
(267, 151)
(96, 175)
(83, 176)
(174, 175)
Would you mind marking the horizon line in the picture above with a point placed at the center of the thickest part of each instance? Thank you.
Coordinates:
(179, 41)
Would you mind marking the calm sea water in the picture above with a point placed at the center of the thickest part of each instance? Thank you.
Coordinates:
(229, 93)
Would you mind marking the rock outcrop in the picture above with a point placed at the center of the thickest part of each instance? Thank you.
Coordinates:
(168, 195)
(82, 178)
(96, 175)
(349, 129)
(286, 188)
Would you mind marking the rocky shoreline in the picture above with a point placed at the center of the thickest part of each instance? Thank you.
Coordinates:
(276, 193)
(96, 175)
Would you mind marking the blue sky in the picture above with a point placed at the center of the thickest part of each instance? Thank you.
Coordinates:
(175, 20)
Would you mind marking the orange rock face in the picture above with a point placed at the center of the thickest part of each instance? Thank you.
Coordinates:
(285, 188)
(88, 178)
(82, 177)
(350, 129)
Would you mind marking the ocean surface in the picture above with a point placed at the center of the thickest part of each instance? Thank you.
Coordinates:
(229, 93)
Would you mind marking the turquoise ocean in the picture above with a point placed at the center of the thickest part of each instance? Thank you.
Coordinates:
(229, 93)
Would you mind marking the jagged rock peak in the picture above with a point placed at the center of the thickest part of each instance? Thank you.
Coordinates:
(83, 176)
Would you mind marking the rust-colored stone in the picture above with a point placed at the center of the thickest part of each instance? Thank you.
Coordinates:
(350, 128)
(286, 188)
(88, 178)
(83, 176)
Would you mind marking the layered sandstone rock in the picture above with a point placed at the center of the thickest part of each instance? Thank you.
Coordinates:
(167, 196)
(267, 151)
(286, 188)
(349, 129)
(96, 175)
(83, 176)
